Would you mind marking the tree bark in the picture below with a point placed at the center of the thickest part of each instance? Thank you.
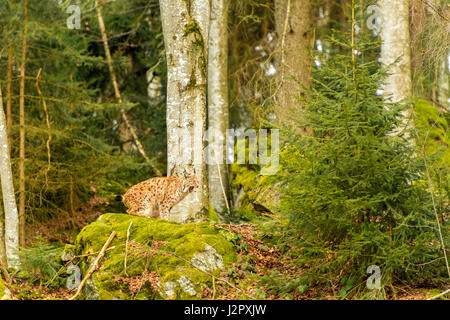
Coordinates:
(11, 222)
(9, 90)
(3, 260)
(294, 26)
(218, 104)
(395, 45)
(443, 77)
(185, 28)
(9, 71)
(443, 82)
(22, 194)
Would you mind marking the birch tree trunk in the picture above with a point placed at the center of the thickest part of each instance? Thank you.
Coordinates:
(293, 22)
(11, 223)
(396, 44)
(218, 104)
(185, 28)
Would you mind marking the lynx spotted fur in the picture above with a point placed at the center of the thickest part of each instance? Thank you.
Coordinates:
(155, 197)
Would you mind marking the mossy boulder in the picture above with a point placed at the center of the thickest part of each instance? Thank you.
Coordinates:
(261, 192)
(5, 294)
(179, 258)
(433, 130)
(268, 198)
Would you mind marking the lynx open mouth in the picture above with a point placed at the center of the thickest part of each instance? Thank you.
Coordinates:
(191, 188)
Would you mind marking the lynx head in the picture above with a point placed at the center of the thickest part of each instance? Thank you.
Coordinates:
(190, 182)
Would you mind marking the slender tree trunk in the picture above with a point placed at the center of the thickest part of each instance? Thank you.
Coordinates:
(3, 260)
(323, 23)
(417, 26)
(443, 78)
(154, 87)
(185, 28)
(9, 90)
(9, 77)
(294, 26)
(22, 130)
(117, 91)
(396, 44)
(443, 82)
(218, 104)
(47, 121)
(11, 221)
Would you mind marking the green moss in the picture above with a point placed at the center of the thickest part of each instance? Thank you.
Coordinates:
(183, 241)
(198, 47)
(192, 28)
(2, 288)
(212, 215)
(433, 126)
(260, 192)
(246, 177)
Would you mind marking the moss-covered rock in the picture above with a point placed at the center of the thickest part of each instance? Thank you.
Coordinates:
(433, 130)
(268, 198)
(261, 192)
(5, 294)
(181, 258)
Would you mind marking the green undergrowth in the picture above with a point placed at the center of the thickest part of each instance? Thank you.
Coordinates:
(40, 263)
(432, 128)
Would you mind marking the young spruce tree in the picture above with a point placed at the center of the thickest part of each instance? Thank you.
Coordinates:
(354, 191)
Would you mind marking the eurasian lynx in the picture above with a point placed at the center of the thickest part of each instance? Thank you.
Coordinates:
(157, 194)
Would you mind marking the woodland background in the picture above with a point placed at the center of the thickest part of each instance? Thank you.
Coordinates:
(353, 189)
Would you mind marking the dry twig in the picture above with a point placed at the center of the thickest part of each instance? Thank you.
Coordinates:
(94, 265)
(126, 248)
(440, 295)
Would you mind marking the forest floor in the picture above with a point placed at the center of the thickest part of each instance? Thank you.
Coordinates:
(266, 268)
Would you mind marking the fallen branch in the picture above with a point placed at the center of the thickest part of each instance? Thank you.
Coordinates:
(126, 249)
(94, 265)
(440, 295)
